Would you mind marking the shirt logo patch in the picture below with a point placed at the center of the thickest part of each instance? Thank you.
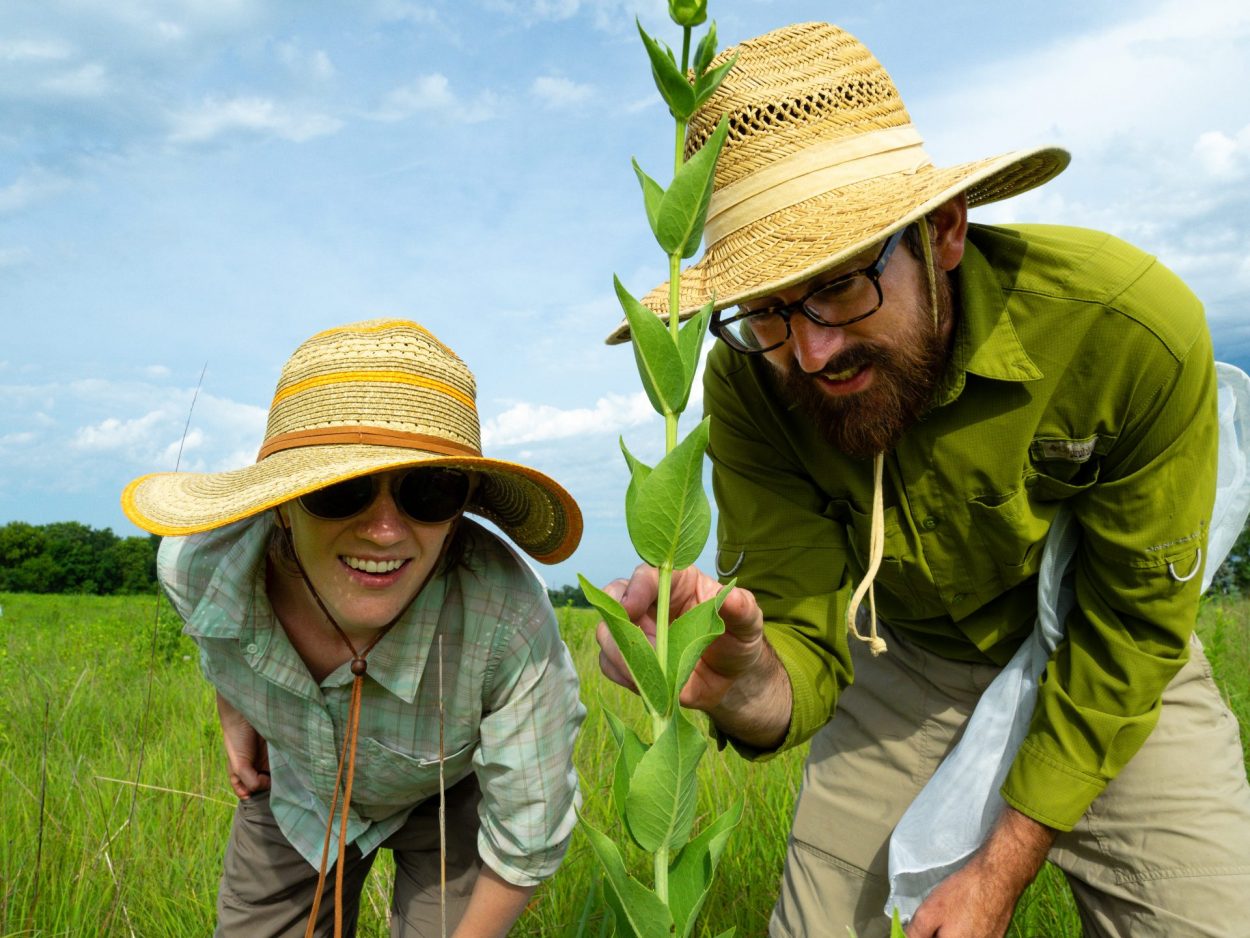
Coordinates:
(1066, 450)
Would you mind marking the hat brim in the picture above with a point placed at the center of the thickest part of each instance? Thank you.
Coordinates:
(534, 511)
(797, 243)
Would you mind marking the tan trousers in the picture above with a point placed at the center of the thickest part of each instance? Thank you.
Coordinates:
(1164, 852)
(267, 887)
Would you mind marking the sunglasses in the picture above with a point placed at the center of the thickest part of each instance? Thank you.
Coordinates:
(426, 494)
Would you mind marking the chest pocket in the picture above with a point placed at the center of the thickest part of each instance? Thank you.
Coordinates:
(1012, 526)
(386, 777)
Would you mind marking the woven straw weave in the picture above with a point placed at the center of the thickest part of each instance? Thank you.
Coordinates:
(410, 397)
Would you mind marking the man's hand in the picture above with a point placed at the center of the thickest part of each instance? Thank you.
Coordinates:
(738, 680)
(246, 752)
(977, 901)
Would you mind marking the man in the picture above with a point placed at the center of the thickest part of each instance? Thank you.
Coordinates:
(901, 403)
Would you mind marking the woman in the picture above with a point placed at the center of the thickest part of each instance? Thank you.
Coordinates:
(373, 649)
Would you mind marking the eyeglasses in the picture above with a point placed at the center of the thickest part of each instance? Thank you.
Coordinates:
(848, 299)
(426, 494)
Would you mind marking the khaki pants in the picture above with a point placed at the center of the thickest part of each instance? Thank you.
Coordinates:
(267, 887)
(1164, 851)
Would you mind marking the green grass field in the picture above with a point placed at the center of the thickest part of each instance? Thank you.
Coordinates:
(115, 806)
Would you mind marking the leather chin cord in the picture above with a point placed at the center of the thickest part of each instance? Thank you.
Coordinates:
(347, 757)
(876, 536)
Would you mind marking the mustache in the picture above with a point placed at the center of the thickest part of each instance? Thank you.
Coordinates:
(853, 358)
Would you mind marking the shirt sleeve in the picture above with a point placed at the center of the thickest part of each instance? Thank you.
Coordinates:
(775, 540)
(1144, 528)
(524, 762)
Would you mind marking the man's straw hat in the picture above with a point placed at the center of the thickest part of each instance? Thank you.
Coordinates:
(370, 396)
(821, 162)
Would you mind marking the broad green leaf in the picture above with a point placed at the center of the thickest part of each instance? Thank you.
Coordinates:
(667, 514)
(639, 912)
(638, 473)
(690, 876)
(689, 637)
(637, 651)
(706, 84)
(659, 360)
(705, 52)
(662, 793)
(690, 344)
(631, 751)
(683, 210)
(733, 931)
(652, 193)
(674, 88)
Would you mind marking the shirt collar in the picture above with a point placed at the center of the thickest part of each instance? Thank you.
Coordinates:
(986, 343)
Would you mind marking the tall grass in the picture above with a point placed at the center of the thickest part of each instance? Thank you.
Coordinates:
(95, 840)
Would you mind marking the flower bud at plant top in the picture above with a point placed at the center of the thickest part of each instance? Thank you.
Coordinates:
(687, 12)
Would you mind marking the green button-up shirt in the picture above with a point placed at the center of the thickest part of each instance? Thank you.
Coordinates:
(1081, 374)
(508, 687)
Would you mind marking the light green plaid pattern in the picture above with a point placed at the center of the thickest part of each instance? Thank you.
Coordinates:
(509, 690)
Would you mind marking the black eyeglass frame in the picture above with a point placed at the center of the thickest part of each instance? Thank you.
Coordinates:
(720, 327)
(353, 490)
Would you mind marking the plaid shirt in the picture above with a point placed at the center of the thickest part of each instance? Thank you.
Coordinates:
(510, 695)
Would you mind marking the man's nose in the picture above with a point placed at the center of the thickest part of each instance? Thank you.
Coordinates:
(812, 345)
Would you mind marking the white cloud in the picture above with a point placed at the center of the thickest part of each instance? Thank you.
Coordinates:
(86, 81)
(146, 429)
(315, 64)
(556, 92)
(30, 187)
(156, 371)
(216, 117)
(34, 50)
(536, 423)
(1223, 156)
(14, 257)
(433, 93)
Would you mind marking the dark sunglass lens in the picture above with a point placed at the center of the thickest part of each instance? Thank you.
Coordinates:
(341, 500)
(433, 495)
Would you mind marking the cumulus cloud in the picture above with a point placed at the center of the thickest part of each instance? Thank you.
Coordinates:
(34, 50)
(433, 93)
(90, 80)
(1225, 157)
(256, 115)
(30, 187)
(556, 92)
(315, 64)
(535, 423)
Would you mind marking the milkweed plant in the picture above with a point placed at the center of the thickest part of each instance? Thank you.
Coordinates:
(669, 518)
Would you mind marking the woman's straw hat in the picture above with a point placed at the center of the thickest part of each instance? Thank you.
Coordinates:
(370, 396)
(821, 162)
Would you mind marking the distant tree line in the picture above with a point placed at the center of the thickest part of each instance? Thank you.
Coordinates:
(69, 557)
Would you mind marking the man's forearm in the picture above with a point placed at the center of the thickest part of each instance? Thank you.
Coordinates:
(756, 709)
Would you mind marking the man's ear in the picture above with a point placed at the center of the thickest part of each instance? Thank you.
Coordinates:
(949, 223)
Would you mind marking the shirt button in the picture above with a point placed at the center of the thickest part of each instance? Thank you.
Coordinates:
(251, 648)
(929, 523)
(959, 597)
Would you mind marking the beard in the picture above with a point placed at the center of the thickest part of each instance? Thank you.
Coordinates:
(906, 374)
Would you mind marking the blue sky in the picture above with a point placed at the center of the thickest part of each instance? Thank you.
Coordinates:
(191, 183)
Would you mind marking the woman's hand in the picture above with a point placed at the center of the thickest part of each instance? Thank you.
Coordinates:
(246, 751)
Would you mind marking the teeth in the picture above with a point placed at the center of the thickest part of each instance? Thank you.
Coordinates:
(373, 566)
(840, 375)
